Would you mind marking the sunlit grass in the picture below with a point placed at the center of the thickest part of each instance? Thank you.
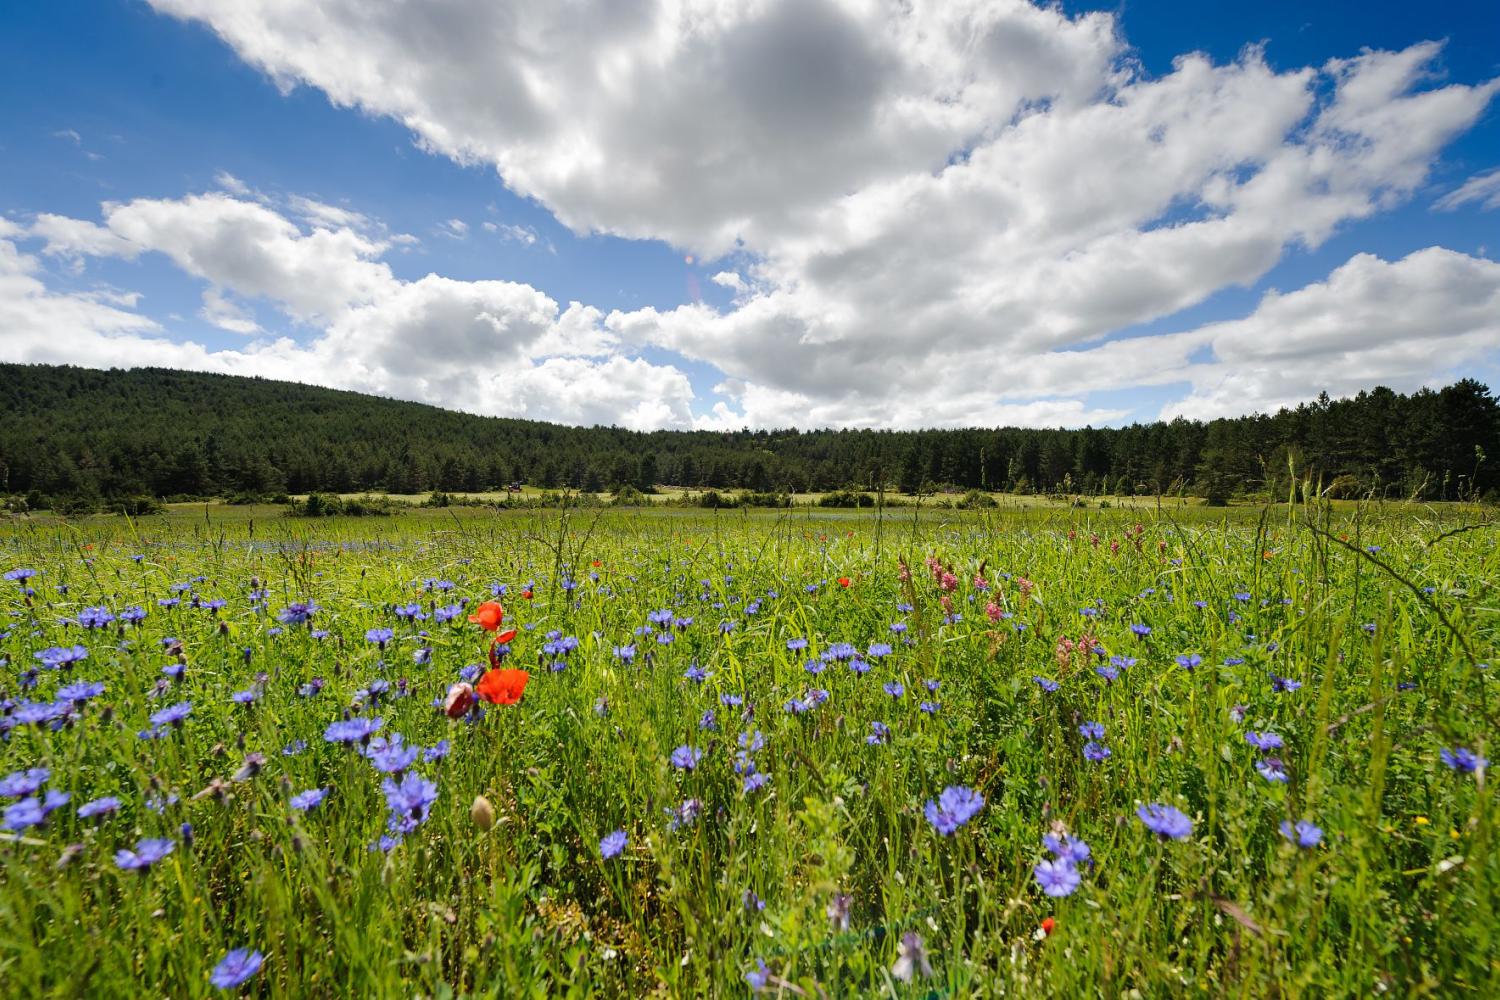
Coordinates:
(1381, 623)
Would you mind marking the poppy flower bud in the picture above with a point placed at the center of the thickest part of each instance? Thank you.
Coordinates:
(482, 813)
(459, 700)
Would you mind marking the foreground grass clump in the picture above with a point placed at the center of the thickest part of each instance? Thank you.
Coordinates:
(1060, 753)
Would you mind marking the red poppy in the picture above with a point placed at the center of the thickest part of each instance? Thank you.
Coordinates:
(843, 581)
(488, 615)
(459, 700)
(597, 564)
(526, 593)
(1047, 925)
(503, 687)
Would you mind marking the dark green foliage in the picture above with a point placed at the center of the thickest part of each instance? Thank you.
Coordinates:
(846, 498)
(96, 437)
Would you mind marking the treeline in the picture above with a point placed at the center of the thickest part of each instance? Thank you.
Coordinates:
(82, 433)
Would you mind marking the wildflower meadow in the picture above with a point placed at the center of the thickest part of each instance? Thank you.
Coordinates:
(1058, 752)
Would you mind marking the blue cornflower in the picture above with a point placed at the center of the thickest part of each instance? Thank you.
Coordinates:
(133, 615)
(708, 721)
(293, 748)
(159, 803)
(147, 853)
(696, 673)
(894, 689)
(1091, 730)
(1122, 662)
(839, 652)
(391, 755)
(80, 691)
(928, 707)
(99, 807)
(1279, 684)
(1189, 661)
(612, 844)
(1095, 751)
(245, 697)
(1067, 848)
(19, 783)
(1057, 878)
(380, 636)
(878, 650)
(755, 782)
(932, 685)
(39, 713)
(236, 967)
(309, 800)
(898, 627)
(1141, 631)
(23, 814)
(1463, 759)
(953, 808)
(686, 757)
(685, 815)
(60, 657)
(436, 752)
(311, 688)
(731, 700)
(409, 801)
(880, 733)
(1106, 671)
(1046, 684)
(356, 730)
(1264, 741)
(1165, 821)
(815, 667)
(95, 617)
(1273, 770)
(752, 741)
(760, 976)
(796, 644)
(20, 575)
(172, 715)
(297, 613)
(1303, 834)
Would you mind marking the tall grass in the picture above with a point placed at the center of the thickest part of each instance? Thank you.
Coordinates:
(1383, 618)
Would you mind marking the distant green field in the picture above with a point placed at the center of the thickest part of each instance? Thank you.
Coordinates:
(1029, 751)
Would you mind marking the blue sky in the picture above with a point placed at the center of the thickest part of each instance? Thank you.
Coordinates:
(134, 104)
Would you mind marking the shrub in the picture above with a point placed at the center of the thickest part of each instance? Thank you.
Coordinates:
(846, 498)
(976, 500)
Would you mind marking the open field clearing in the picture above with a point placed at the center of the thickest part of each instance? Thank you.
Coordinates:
(1048, 752)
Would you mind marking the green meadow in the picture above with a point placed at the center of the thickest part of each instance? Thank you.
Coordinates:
(1045, 751)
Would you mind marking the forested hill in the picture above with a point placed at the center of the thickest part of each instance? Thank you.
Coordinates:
(81, 432)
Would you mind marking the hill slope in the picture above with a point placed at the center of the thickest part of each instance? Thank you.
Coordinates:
(74, 431)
